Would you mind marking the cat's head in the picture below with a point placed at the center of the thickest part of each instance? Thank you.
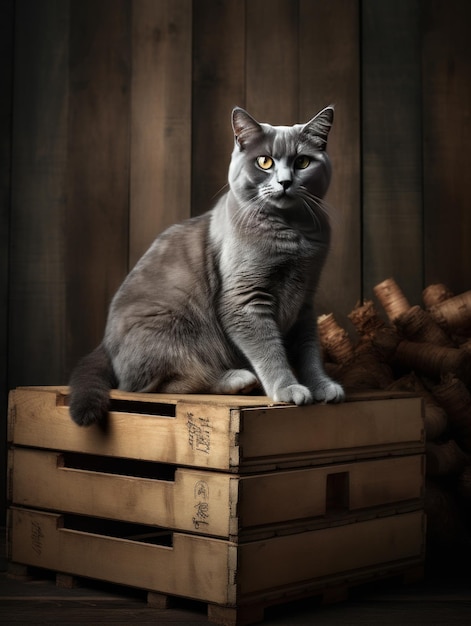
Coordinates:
(280, 167)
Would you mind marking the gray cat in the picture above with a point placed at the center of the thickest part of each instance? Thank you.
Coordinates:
(223, 303)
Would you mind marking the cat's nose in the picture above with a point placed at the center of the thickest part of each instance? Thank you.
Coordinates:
(286, 184)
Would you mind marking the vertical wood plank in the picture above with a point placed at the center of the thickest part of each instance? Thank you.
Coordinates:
(6, 87)
(447, 137)
(37, 280)
(391, 137)
(160, 120)
(96, 218)
(272, 61)
(218, 86)
(329, 53)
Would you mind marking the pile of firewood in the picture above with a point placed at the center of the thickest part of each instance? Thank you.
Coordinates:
(425, 350)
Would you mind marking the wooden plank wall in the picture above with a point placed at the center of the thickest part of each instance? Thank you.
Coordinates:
(95, 230)
(38, 191)
(6, 82)
(392, 145)
(116, 123)
(416, 99)
(446, 80)
(160, 119)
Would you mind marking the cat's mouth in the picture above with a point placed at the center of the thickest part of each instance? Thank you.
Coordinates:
(284, 199)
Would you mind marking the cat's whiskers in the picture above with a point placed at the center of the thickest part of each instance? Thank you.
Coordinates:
(312, 214)
(219, 192)
(315, 204)
(326, 208)
(318, 202)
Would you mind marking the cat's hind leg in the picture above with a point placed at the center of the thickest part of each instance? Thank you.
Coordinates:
(236, 381)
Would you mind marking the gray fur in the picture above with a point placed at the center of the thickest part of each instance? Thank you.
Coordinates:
(224, 302)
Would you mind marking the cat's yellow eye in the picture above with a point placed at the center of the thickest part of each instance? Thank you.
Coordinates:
(302, 162)
(265, 162)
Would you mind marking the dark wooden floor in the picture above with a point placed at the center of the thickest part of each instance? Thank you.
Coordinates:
(442, 598)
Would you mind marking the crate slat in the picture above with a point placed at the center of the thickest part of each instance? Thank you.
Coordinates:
(214, 503)
(208, 569)
(230, 433)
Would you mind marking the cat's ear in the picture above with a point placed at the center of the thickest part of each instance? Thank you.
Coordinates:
(319, 126)
(244, 126)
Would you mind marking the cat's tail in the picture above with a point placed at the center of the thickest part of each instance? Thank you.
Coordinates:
(90, 386)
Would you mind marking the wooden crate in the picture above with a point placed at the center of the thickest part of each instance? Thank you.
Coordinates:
(231, 433)
(213, 570)
(220, 504)
(234, 501)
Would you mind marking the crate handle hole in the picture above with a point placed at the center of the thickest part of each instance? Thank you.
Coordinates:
(139, 407)
(117, 466)
(337, 492)
(117, 529)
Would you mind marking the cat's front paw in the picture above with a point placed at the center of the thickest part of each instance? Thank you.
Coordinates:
(328, 391)
(293, 394)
